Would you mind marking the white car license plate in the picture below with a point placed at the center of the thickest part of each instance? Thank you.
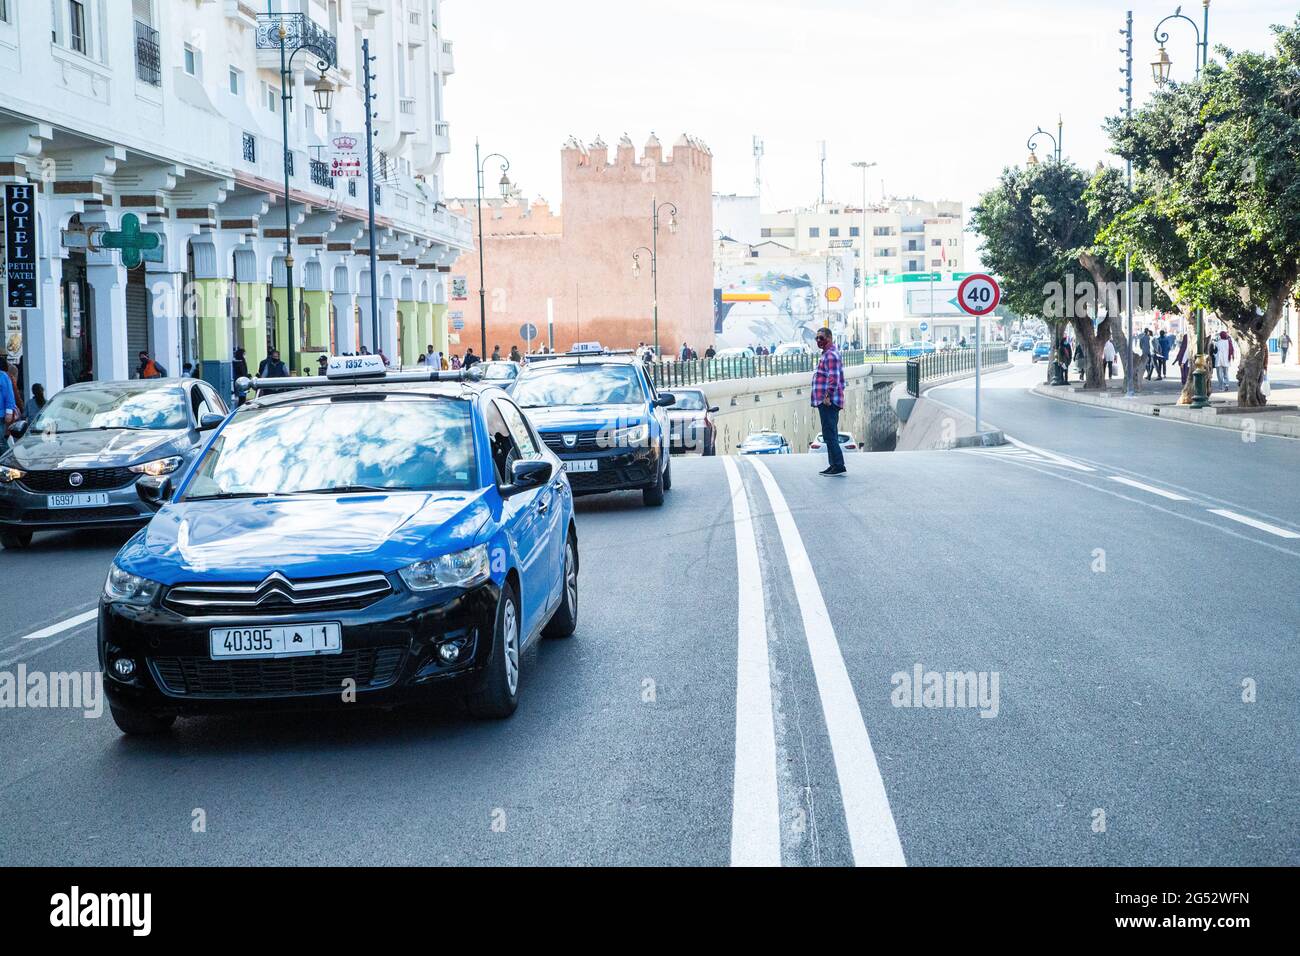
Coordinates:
(581, 464)
(278, 640)
(83, 500)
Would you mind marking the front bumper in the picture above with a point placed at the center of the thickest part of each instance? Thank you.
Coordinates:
(617, 469)
(389, 655)
(22, 509)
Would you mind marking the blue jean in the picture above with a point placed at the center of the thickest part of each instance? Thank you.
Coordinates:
(830, 416)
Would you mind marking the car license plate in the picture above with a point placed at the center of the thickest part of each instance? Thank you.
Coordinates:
(279, 640)
(582, 464)
(82, 500)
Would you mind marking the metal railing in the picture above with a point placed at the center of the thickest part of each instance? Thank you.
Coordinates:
(950, 362)
(148, 54)
(698, 371)
(320, 174)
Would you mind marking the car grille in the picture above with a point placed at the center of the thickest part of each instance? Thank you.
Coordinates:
(277, 594)
(587, 441)
(92, 479)
(286, 677)
(611, 479)
(10, 512)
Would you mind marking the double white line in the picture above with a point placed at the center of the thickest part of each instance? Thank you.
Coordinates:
(756, 819)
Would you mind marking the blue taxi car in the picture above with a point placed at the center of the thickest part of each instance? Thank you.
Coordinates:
(364, 539)
(600, 412)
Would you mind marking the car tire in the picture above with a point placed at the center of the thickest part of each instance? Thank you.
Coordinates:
(710, 448)
(565, 619)
(653, 494)
(499, 695)
(139, 723)
(668, 474)
(15, 540)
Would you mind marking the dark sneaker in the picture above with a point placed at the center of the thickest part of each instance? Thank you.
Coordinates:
(841, 470)
(827, 472)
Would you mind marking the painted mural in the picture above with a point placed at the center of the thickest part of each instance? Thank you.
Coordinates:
(767, 302)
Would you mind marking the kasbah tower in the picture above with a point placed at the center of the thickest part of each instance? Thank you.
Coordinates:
(581, 258)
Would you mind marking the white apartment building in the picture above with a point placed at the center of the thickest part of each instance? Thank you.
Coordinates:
(902, 235)
(167, 110)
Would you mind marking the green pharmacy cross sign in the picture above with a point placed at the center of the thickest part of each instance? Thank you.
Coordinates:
(130, 240)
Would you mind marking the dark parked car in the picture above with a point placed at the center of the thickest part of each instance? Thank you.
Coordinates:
(690, 424)
(79, 462)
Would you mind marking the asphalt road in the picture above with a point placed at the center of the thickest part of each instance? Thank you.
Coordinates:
(686, 724)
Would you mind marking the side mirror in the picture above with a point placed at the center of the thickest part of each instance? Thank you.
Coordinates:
(713, 409)
(154, 491)
(525, 475)
(665, 399)
(210, 421)
(19, 428)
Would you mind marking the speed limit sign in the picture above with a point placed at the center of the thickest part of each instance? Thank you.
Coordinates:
(979, 294)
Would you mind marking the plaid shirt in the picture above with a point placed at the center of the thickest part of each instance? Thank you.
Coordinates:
(828, 380)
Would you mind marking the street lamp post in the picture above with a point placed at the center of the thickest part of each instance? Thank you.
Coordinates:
(866, 332)
(1127, 90)
(1055, 375)
(293, 33)
(505, 191)
(656, 208)
(1160, 68)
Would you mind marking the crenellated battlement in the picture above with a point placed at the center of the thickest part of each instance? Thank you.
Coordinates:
(581, 160)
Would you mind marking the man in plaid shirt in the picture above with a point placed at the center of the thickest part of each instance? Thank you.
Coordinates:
(828, 399)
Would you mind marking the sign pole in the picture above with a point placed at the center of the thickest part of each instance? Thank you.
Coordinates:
(978, 295)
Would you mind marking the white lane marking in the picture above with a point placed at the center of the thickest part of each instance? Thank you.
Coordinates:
(1050, 456)
(872, 832)
(1261, 525)
(62, 626)
(1153, 490)
(755, 807)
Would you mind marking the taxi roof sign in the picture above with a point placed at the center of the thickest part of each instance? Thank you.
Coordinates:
(586, 348)
(354, 366)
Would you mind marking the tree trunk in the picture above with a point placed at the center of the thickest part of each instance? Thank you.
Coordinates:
(1252, 360)
(1094, 343)
(1124, 352)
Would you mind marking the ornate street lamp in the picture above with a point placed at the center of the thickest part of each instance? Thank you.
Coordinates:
(656, 208)
(1056, 142)
(294, 33)
(1160, 71)
(504, 184)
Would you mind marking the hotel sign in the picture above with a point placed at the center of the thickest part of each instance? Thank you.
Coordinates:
(20, 247)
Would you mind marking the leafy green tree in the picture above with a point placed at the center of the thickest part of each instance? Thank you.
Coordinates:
(1040, 238)
(1219, 161)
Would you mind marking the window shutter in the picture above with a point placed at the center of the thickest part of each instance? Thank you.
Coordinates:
(143, 11)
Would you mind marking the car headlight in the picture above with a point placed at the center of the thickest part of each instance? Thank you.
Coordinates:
(158, 467)
(630, 437)
(124, 587)
(460, 570)
(8, 474)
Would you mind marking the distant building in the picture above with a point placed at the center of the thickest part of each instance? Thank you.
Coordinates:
(736, 217)
(578, 262)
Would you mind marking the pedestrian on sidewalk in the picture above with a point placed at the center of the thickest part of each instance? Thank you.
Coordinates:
(1224, 353)
(1066, 355)
(1144, 343)
(1108, 359)
(828, 399)
(1081, 361)
(1184, 357)
(1284, 345)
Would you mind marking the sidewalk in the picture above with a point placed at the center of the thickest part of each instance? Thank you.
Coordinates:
(1160, 398)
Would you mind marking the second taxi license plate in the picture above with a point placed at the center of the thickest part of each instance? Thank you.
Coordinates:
(581, 464)
(279, 640)
(82, 500)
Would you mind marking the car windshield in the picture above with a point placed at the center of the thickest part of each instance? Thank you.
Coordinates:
(85, 409)
(763, 439)
(497, 371)
(688, 402)
(579, 385)
(388, 443)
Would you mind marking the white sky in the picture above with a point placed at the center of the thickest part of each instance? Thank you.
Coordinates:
(941, 94)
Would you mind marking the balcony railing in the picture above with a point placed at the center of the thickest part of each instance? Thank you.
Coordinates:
(148, 55)
(406, 105)
(300, 31)
(250, 148)
(320, 174)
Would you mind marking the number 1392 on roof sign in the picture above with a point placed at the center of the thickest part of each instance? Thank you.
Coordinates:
(979, 294)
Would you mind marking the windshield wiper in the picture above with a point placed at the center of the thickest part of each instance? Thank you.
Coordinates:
(347, 489)
(223, 495)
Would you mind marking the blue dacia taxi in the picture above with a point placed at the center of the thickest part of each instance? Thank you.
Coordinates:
(600, 412)
(366, 537)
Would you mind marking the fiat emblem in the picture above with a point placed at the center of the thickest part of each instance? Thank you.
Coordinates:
(75, 479)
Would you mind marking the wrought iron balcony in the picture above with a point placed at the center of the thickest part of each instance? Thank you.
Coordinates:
(148, 55)
(297, 31)
(250, 148)
(320, 174)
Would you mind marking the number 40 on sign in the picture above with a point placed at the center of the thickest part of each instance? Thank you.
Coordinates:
(979, 294)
